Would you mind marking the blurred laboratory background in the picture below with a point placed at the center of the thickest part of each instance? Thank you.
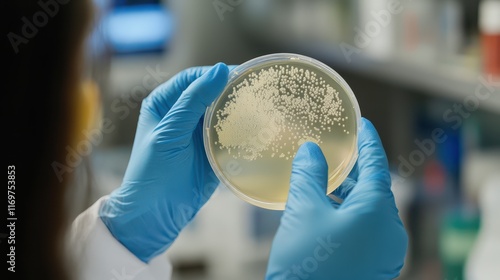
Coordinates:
(426, 73)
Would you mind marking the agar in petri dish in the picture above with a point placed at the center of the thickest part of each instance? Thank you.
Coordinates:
(270, 106)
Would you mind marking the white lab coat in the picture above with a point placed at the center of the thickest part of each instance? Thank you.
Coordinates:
(98, 255)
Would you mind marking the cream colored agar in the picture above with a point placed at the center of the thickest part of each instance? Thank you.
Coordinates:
(276, 110)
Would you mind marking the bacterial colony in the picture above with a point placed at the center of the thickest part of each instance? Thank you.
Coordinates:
(266, 114)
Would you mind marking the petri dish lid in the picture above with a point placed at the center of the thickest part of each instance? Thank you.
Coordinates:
(269, 107)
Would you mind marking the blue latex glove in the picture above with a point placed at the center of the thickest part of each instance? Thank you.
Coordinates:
(168, 178)
(361, 239)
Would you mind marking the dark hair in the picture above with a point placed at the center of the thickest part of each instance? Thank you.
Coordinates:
(45, 40)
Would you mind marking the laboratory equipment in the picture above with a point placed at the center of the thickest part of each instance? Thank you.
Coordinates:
(271, 105)
(482, 262)
(489, 25)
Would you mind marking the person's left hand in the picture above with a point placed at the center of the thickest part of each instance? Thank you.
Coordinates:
(168, 178)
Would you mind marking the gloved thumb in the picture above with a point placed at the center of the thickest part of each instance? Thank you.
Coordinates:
(182, 119)
(309, 179)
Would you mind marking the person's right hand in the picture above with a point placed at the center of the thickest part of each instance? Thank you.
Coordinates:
(362, 238)
(168, 177)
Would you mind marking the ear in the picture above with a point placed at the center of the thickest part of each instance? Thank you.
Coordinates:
(88, 111)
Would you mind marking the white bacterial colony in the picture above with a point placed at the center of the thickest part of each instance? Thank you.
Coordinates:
(273, 111)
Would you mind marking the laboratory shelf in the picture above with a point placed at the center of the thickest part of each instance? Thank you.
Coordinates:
(432, 78)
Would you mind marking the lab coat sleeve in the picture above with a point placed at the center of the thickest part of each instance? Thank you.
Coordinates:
(96, 254)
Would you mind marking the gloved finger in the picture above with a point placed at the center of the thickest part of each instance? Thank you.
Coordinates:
(372, 163)
(180, 122)
(355, 169)
(159, 102)
(373, 167)
(345, 188)
(309, 179)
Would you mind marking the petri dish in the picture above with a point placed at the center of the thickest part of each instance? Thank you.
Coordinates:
(269, 107)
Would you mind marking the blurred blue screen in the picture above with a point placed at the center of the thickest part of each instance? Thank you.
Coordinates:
(138, 26)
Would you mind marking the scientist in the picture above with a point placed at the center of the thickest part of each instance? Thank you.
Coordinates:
(125, 234)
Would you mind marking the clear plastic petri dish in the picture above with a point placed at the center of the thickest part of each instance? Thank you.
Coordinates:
(271, 105)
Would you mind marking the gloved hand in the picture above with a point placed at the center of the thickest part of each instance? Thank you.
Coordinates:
(168, 178)
(361, 239)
